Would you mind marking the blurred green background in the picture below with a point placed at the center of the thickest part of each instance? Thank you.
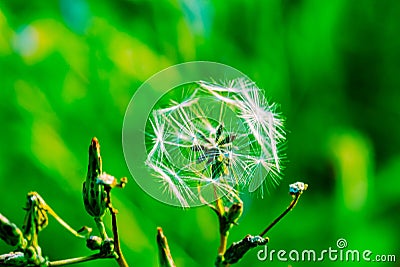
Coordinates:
(68, 69)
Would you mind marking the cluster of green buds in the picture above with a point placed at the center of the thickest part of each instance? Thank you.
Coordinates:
(28, 249)
(97, 199)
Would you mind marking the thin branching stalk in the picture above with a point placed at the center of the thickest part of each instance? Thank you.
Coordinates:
(117, 246)
(223, 232)
(289, 208)
(75, 260)
(165, 257)
(296, 190)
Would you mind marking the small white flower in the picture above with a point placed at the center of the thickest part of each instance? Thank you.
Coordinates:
(297, 188)
(106, 179)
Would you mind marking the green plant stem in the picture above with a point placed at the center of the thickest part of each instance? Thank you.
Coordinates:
(59, 262)
(219, 209)
(120, 257)
(75, 260)
(165, 257)
(289, 208)
(222, 243)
